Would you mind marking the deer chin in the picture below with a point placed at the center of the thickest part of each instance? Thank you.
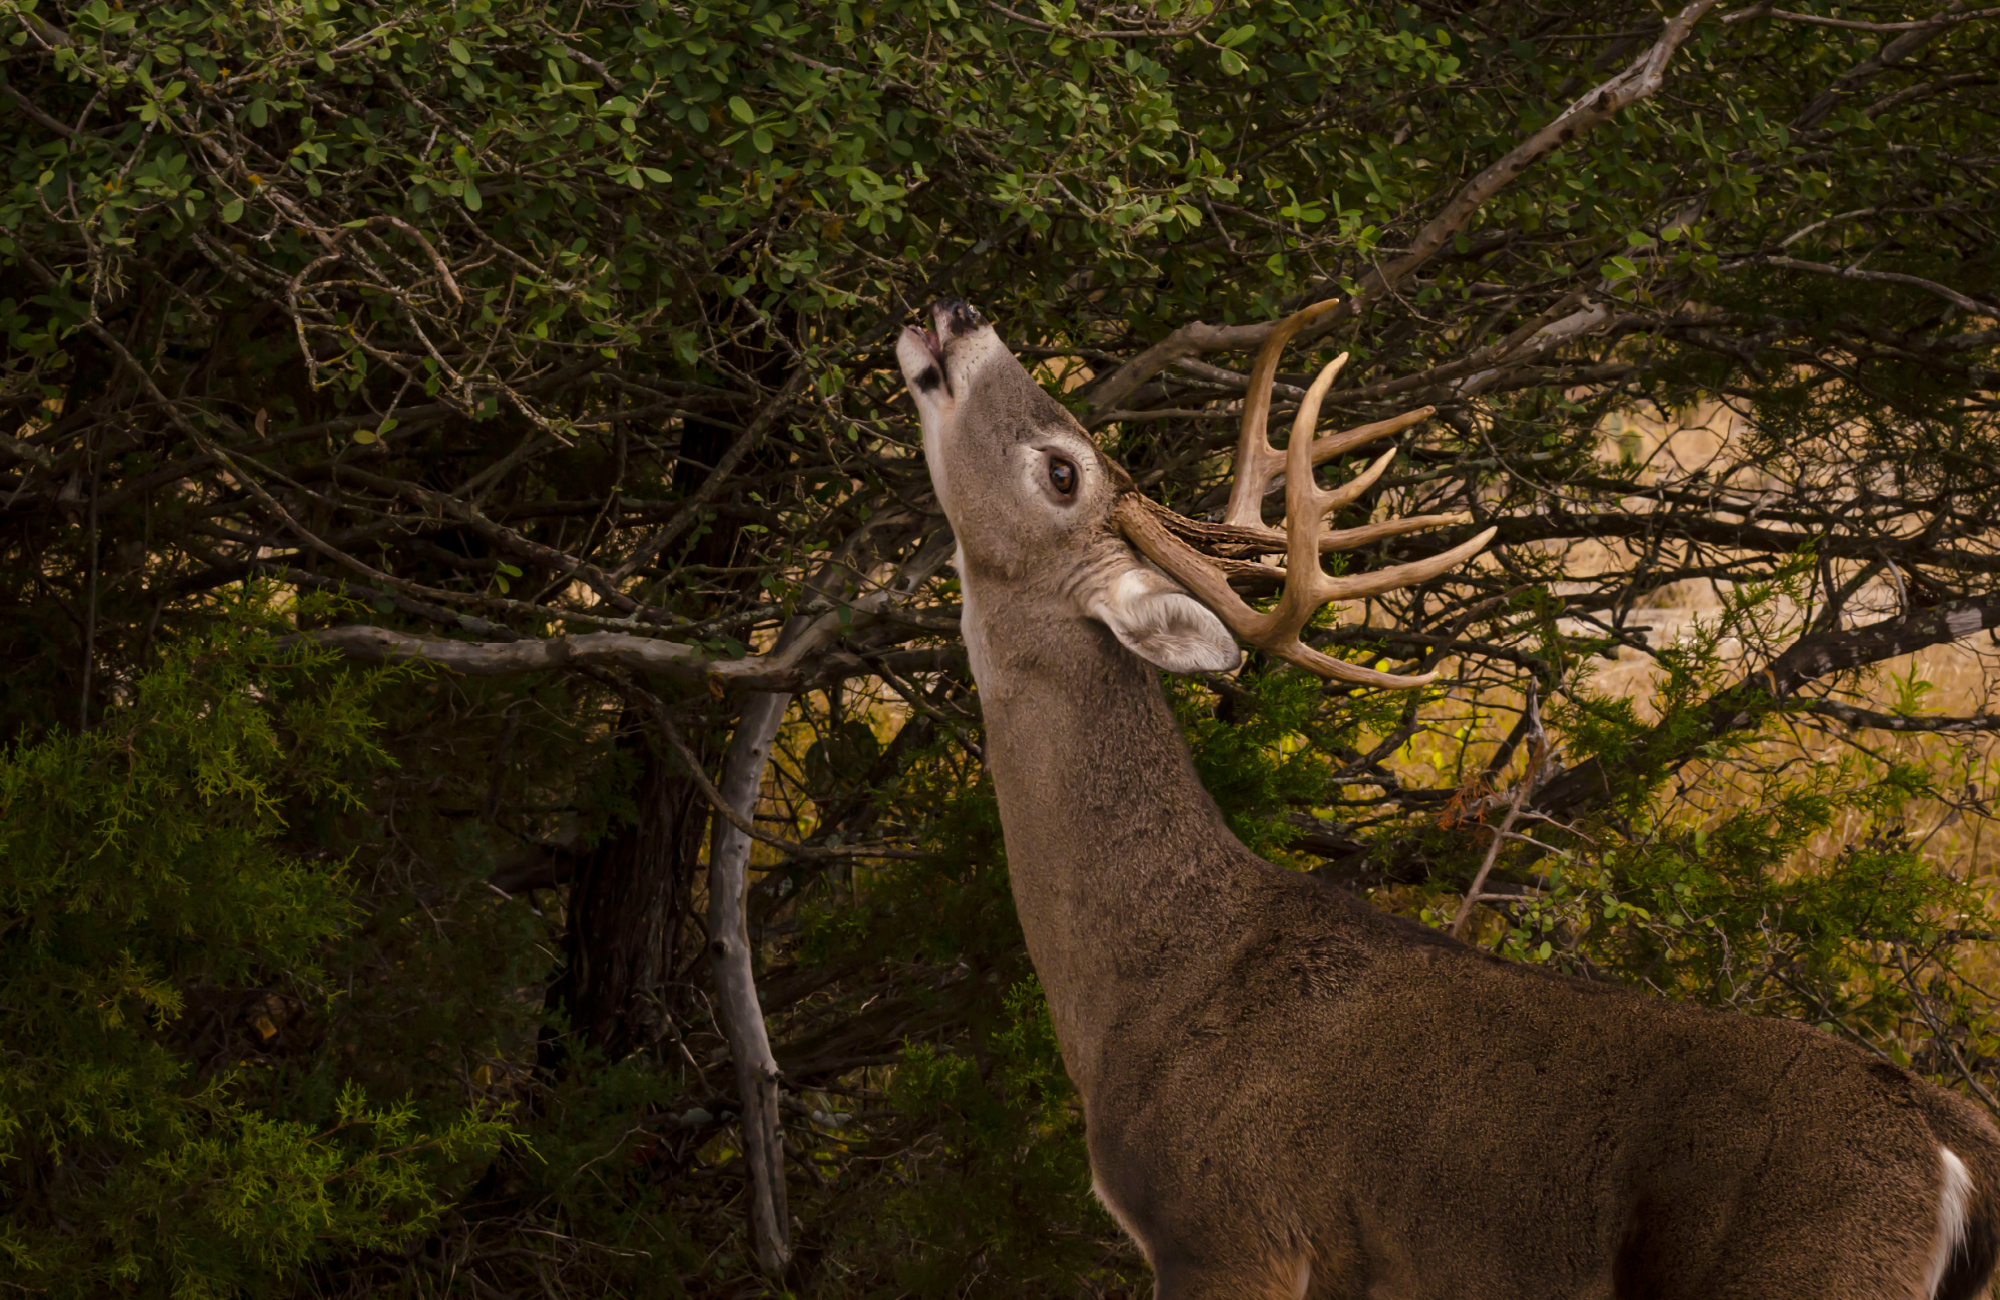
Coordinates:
(921, 356)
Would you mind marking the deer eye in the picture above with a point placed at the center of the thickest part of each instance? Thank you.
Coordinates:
(1062, 475)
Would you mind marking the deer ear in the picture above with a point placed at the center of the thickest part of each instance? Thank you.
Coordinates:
(1162, 624)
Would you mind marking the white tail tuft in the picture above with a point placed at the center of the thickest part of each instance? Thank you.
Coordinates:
(1954, 1204)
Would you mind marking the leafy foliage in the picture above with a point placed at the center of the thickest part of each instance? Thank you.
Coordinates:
(149, 886)
(1000, 1206)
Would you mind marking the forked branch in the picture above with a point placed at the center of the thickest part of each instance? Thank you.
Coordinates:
(1638, 81)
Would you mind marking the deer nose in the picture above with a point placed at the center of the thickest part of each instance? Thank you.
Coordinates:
(955, 316)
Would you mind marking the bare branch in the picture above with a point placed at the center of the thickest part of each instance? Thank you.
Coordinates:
(1819, 654)
(1635, 83)
(736, 980)
(783, 670)
(1893, 53)
(28, 107)
(1826, 653)
(753, 437)
(1946, 292)
(1857, 25)
(1873, 720)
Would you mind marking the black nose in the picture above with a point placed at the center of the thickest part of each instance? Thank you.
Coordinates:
(955, 316)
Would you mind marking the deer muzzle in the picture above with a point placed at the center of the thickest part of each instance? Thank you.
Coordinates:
(923, 350)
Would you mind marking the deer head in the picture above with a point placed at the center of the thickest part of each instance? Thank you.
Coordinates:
(1032, 499)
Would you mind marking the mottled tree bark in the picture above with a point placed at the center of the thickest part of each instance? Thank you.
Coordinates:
(625, 908)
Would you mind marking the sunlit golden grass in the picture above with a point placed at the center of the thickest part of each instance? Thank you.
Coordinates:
(1960, 677)
(1956, 838)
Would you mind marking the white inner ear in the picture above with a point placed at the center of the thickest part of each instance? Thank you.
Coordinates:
(1156, 620)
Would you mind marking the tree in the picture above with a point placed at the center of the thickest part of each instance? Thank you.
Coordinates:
(557, 337)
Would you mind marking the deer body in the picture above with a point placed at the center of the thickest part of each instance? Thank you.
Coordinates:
(1288, 1093)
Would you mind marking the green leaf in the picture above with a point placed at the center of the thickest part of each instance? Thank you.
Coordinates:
(740, 109)
(232, 211)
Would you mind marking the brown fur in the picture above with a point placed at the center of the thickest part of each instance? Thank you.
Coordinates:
(1281, 1083)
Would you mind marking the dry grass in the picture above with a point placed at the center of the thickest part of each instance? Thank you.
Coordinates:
(1961, 678)
(1956, 839)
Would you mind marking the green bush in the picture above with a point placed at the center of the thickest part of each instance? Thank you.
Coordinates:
(146, 890)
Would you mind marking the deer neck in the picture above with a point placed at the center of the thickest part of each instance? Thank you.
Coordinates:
(1122, 867)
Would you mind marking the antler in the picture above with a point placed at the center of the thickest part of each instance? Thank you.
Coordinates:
(1164, 537)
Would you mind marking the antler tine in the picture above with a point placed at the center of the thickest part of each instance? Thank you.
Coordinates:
(1306, 505)
(1307, 586)
(1153, 528)
(1256, 459)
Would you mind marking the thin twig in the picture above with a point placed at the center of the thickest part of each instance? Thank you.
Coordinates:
(1538, 756)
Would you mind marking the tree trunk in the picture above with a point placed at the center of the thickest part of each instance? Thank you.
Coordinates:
(625, 909)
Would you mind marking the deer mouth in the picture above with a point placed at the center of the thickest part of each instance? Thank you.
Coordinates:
(923, 360)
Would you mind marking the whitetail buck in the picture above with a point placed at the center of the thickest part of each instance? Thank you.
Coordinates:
(1288, 1093)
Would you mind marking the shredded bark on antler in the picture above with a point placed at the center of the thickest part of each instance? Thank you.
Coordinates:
(1229, 548)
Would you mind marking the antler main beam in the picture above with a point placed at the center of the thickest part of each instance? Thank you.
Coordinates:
(1169, 539)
